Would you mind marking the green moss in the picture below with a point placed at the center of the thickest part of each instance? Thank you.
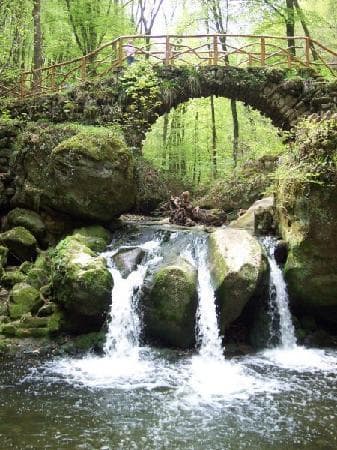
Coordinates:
(81, 281)
(94, 142)
(95, 237)
(55, 322)
(20, 242)
(10, 278)
(3, 255)
(30, 220)
(23, 299)
(171, 306)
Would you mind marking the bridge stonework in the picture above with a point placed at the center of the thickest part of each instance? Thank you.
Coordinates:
(282, 95)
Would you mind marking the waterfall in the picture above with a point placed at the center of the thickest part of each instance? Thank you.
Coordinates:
(279, 295)
(207, 330)
(122, 339)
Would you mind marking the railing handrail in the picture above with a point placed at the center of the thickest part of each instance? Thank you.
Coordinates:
(269, 52)
(174, 36)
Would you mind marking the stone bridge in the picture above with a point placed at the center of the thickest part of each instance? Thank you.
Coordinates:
(282, 95)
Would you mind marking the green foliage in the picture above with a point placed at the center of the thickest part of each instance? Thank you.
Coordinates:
(312, 156)
(181, 143)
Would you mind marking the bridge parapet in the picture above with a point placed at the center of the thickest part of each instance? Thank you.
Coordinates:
(181, 50)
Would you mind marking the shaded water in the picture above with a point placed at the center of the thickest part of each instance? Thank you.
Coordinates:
(141, 398)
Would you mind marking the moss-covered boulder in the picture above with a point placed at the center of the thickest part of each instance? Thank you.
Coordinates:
(3, 256)
(30, 220)
(12, 277)
(23, 299)
(170, 306)
(86, 172)
(307, 211)
(259, 218)
(95, 237)
(238, 267)
(21, 244)
(81, 282)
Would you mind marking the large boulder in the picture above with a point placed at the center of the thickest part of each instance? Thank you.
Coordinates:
(308, 224)
(86, 172)
(170, 306)
(259, 218)
(82, 283)
(30, 220)
(23, 299)
(95, 237)
(21, 244)
(238, 268)
(307, 211)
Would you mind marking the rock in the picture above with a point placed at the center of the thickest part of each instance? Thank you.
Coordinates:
(21, 244)
(128, 259)
(3, 256)
(95, 237)
(4, 299)
(238, 268)
(12, 277)
(258, 219)
(307, 214)
(170, 306)
(281, 252)
(30, 220)
(151, 187)
(82, 283)
(47, 309)
(23, 299)
(85, 172)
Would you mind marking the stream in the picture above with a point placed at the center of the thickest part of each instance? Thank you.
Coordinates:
(140, 397)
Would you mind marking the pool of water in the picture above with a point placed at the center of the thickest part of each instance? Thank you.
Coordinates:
(280, 399)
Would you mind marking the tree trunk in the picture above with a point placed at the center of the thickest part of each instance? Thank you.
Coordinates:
(37, 57)
(301, 16)
(290, 26)
(235, 132)
(214, 140)
(164, 148)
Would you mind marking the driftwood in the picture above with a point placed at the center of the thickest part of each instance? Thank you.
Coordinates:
(182, 212)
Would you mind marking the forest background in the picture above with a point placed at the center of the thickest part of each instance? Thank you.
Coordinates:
(208, 141)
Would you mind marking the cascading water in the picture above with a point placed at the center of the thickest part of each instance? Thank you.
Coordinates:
(122, 339)
(207, 331)
(279, 294)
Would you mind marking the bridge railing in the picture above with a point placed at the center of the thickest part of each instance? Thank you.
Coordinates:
(175, 50)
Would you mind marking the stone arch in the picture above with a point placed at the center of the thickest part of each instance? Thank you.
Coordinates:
(282, 95)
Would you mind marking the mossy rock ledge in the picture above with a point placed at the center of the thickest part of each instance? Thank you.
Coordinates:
(30, 220)
(85, 172)
(81, 282)
(238, 268)
(21, 244)
(308, 224)
(170, 306)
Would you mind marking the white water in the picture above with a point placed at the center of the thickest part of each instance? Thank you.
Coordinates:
(122, 340)
(192, 383)
(277, 283)
(207, 331)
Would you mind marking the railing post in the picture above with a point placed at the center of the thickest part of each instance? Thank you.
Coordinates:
(53, 79)
(83, 69)
(167, 51)
(215, 50)
(290, 60)
(307, 51)
(120, 52)
(263, 51)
